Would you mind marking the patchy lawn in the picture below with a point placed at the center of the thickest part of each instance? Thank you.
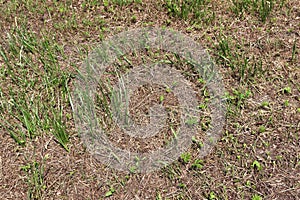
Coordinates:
(254, 43)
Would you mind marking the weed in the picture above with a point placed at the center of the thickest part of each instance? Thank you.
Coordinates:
(224, 51)
(265, 9)
(238, 99)
(229, 54)
(287, 90)
(60, 133)
(262, 8)
(212, 196)
(182, 185)
(198, 143)
(31, 109)
(265, 104)
(185, 157)
(196, 10)
(198, 164)
(133, 19)
(161, 98)
(172, 172)
(239, 6)
(256, 197)
(261, 129)
(27, 116)
(286, 103)
(256, 165)
(110, 192)
(202, 106)
(35, 179)
(158, 196)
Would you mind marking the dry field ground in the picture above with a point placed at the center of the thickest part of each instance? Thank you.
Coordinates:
(255, 45)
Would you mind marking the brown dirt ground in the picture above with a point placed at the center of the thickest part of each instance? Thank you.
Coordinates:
(78, 175)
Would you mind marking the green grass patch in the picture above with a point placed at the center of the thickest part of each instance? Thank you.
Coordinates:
(36, 90)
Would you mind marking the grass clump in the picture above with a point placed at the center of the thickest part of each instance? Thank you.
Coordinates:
(36, 89)
(35, 179)
(260, 8)
(193, 10)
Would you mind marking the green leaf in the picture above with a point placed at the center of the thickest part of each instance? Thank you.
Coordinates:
(257, 165)
(110, 192)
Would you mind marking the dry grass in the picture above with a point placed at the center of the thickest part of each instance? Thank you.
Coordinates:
(42, 45)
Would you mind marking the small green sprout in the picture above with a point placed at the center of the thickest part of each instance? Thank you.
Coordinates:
(261, 129)
(256, 197)
(287, 90)
(256, 165)
(185, 157)
(110, 192)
